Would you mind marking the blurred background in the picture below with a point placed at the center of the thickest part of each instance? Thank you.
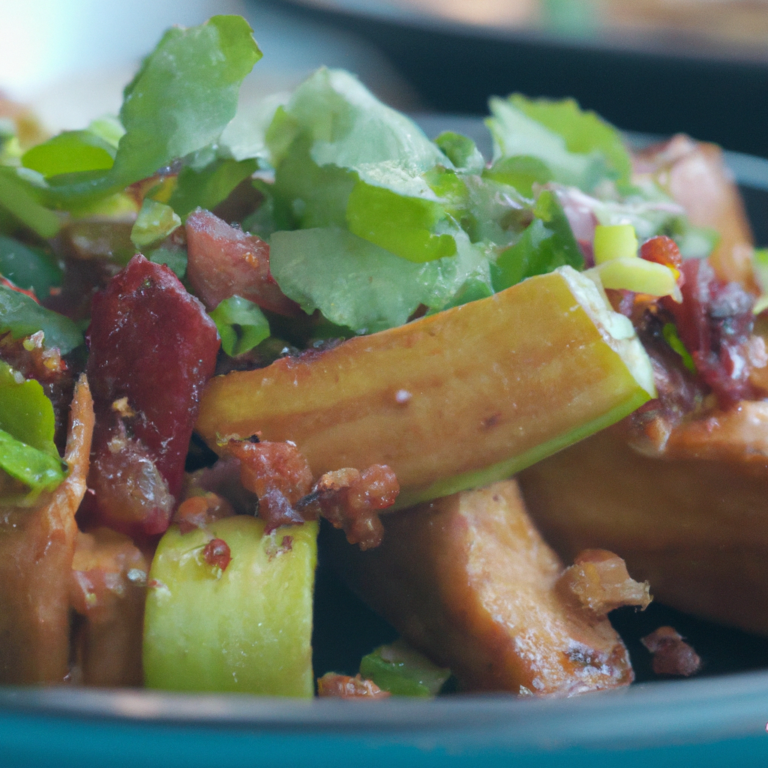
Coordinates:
(658, 66)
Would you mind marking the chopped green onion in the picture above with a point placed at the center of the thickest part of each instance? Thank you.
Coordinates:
(617, 241)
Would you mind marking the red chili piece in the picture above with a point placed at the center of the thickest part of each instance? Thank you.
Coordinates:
(217, 553)
(662, 250)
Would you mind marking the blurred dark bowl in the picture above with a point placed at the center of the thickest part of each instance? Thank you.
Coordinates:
(659, 85)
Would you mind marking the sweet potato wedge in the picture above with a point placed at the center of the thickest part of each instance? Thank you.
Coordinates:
(468, 580)
(36, 550)
(693, 522)
(451, 401)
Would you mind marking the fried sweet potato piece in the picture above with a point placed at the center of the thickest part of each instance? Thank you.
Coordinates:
(107, 583)
(331, 685)
(468, 581)
(36, 550)
(152, 349)
(692, 521)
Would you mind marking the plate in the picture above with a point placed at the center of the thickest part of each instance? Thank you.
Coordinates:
(717, 719)
(656, 82)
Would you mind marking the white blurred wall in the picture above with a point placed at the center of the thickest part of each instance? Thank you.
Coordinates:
(70, 59)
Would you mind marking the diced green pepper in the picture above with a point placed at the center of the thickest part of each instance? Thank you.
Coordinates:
(403, 671)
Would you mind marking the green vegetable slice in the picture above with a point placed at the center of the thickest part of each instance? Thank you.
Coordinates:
(246, 628)
(403, 671)
(154, 223)
(241, 325)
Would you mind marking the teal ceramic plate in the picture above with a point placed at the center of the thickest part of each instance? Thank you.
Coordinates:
(712, 721)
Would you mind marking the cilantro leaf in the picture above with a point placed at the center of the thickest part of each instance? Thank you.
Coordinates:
(27, 425)
(29, 268)
(548, 243)
(577, 147)
(22, 316)
(208, 186)
(344, 159)
(359, 285)
(179, 102)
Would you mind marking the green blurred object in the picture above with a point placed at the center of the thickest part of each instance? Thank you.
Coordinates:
(246, 628)
(403, 671)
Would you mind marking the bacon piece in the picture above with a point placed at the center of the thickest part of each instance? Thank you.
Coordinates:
(715, 323)
(130, 491)
(36, 551)
(278, 474)
(600, 582)
(107, 589)
(152, 343)
(345, 687)
(224, 261)
(351, 500)
(671, 654)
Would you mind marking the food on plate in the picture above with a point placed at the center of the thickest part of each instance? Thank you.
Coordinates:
(305, 314)
(671, 654)
(470, 580)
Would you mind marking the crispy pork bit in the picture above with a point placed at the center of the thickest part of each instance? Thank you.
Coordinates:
(152, 344)
(351, 500)
(469, 581)
(224, 261)
(278, 474)
(281, 477)
(345, 687)
(107, 590)
(223, 480)
(671, 654)
(715, 323)
(201, 511)
(599, 581)
(36, 551)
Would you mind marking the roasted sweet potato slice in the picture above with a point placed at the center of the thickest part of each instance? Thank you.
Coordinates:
(36, 550)
(693, 522)
(468, 580)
